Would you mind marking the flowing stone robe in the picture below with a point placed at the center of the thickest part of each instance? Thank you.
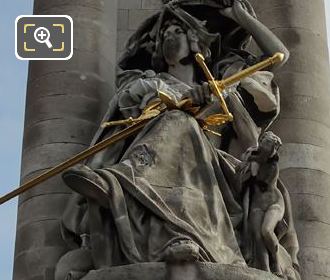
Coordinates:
(167, 184)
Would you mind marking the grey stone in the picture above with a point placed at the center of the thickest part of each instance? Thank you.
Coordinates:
(305, 156)
(136, 17)
(44, 157)
(318, 133)
(301, 25)
(129, 4)
(151, 4)
(89, 76)
(53, 185)
(161, 271)
(123, 19)
(39, 208)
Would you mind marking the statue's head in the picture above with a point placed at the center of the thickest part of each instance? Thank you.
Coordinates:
(206, 31)
(269, 143)
(179, 37)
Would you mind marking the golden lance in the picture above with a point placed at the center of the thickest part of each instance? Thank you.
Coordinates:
(137, 124)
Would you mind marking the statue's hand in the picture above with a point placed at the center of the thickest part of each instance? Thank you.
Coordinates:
(225, 3)
(199, 94)
(234, 10)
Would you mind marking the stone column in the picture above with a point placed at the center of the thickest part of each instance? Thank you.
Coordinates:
(65, 102)
(304, 124)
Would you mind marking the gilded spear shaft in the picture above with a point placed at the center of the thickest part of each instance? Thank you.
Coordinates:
(216, 86)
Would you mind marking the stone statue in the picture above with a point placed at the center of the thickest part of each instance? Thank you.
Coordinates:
(264, 204)
(170, 194)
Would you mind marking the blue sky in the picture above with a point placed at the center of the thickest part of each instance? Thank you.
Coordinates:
(13, 75)
(12, 102)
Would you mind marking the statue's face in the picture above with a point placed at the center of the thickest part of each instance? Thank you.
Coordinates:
(175, 44)
(268, 145)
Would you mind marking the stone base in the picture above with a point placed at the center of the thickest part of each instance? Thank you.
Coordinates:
(191, 271)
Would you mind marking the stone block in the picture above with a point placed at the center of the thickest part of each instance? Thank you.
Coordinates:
(161, 271)
(38, 235)
(82, 108)
(136, 17)
(47, 156)
(306, 107)
(152, 4)
(312, 208)
(292, 13)
(123, 36)
(304, 156)
(28, 266)
(315, 263)
(73, 131)
(129, 4)
(54, 185)
(302, 131)
(42, 6)
(102, 69)
(42, 207)
(306, 181)
(70, 83)
(122, 20)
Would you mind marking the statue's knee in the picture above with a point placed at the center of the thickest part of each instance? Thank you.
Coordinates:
(266, 233)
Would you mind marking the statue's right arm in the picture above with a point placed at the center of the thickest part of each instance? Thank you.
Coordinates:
(136, 95)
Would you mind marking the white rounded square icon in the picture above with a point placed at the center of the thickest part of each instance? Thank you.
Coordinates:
(44, 37)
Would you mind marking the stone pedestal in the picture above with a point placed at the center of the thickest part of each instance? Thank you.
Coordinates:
(162, 271)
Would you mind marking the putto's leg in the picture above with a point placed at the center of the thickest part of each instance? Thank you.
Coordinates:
(261, 257)
(272, 217)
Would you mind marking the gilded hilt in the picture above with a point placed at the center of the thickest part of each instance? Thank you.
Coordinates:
(215, 86)
(218, 86)
(151, 111)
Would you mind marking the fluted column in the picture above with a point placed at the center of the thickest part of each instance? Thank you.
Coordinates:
(65, 102)
(304, 124)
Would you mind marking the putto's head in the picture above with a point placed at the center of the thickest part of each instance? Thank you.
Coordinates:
(269, 142)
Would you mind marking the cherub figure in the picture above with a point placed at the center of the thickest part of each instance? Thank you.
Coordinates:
(263, 201)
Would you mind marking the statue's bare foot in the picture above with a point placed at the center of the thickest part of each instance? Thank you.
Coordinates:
(88, 183)
(182, 251)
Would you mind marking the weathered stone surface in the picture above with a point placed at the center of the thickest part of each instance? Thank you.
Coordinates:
(39, 234)
(302, 181)
(54, 185)
(39, 208)
(123, 36)
(54, 90)
(151, 4)
(28, 263)
(57, 131)
(79, 83)
(302, 131)
(305, 156)
(136, 17)
(122, 19)
(161, 271)
(303, 125)
(129, 4)
(292, 13)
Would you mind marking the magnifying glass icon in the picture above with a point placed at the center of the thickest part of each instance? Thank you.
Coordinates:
(42, 35)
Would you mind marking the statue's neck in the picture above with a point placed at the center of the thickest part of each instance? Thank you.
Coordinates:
(184, 73)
